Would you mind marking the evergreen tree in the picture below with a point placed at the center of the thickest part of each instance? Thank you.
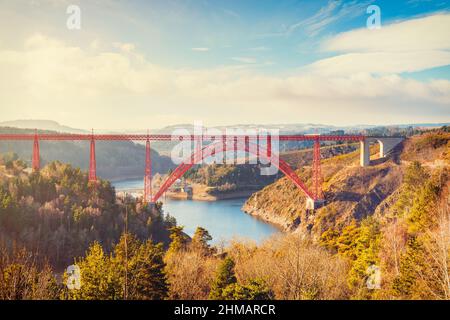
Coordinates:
(97, 279)
(255, 289)
(122, 260)
(178, 238)
(412, 266)
(225, 276)
(200, 240)
(148, 279)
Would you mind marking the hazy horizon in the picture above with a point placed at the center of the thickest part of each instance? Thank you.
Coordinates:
(356, 125)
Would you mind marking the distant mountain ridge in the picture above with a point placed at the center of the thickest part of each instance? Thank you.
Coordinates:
(40, 125)
(284, 128)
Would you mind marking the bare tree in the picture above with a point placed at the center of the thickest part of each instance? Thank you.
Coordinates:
(438, 248)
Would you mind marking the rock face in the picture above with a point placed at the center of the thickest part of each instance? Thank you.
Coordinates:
(351, 192)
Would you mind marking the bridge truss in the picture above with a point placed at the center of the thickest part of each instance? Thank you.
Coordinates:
(249, 147)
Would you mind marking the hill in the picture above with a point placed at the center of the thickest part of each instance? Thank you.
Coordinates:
(40, 125)
(57, 214)
(351, 192)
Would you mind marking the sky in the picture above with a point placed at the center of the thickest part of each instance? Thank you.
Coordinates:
(149, 64)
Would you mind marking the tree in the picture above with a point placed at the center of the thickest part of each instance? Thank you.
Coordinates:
(97, 279)
(438, 249)
(124, 252)
(190, 273)
(21, 277)
(255, 289)
(200, 240)
(346, 242)
(411, 264)
(225, 276)
(179, 240)
(148, 280)
(420, 216)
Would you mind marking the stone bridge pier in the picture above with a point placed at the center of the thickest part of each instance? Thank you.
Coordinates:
(387, 144)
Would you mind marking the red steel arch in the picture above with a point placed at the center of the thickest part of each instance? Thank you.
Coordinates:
(250, 148)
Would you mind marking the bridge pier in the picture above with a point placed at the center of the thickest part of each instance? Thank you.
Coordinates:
(36, 157)
(364, 153)
(92, 162)
(148, 174)
(312, 204)
(387, 144)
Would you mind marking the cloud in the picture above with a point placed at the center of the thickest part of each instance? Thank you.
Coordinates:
(125, 47)
(427, 33)
(244, 59)
(200, 49)
(47, 78)
(408, 46)
(380, 62)
(334, 11)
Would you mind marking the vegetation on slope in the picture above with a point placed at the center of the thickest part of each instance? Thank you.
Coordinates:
(56, 213)
(393, 217)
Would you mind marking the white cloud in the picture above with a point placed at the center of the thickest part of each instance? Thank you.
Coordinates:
(407, 46)
(427, 33)
(244, 59)
(380, 62)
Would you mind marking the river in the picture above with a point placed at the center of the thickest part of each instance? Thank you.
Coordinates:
(224, 219)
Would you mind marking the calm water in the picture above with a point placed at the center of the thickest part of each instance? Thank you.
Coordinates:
(223, 219)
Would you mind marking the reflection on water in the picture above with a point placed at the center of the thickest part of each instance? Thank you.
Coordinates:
(223, 219)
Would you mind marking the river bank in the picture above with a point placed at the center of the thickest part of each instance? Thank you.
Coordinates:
(205, 196)
(198, 193)
(280, 222)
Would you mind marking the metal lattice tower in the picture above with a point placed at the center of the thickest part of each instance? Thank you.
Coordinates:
(148, 174)
(317, 173)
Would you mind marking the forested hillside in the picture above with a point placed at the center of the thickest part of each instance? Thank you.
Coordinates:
(115, 159)
(393, 214)
(56, 214)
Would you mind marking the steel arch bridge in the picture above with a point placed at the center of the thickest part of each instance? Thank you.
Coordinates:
(224, 145)
(249, 148)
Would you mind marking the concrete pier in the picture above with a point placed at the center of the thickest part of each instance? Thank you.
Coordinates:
(387, 144)
(312, 204)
